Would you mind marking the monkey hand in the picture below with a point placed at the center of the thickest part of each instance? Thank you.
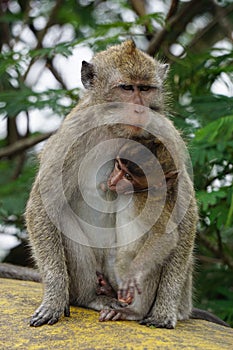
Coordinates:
(111, 315)
(47, 313)
(116, 312)
(127, 289)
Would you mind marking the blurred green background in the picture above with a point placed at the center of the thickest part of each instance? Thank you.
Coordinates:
(42, 45)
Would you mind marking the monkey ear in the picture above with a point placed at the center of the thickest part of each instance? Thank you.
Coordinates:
(87, 74)
(131, 46)
(163, 70)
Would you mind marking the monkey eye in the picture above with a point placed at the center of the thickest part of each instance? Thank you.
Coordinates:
(128, 177)
(127, 87)
(144, 87)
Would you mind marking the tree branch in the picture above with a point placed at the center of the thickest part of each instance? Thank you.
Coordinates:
(176, 24)
(173, 9)
(139, 7)
(56, 74)
(41, 34)
(211, 33)
(212, 248)
(22, 145)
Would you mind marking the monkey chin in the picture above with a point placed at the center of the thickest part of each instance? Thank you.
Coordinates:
(134, 130)
(129, 131)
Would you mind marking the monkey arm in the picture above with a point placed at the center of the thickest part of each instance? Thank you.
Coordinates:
(174, 276)
(154, 252)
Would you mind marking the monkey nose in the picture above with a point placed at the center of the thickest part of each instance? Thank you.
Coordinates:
(139, 109)
(115, 179)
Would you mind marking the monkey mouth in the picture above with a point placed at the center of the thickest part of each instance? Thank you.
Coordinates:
(116, 189)
(110, 186)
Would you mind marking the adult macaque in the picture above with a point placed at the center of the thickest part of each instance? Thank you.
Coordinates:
(68, 269)
(64, 215)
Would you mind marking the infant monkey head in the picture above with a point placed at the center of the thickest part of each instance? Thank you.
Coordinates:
(135, 170)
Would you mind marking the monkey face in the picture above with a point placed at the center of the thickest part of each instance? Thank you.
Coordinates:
(138, 98)
(123, 181)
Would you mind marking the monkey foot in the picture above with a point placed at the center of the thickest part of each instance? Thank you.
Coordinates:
(47, 315)
(151, 321)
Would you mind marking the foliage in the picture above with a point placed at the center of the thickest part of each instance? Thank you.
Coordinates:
(34, 35)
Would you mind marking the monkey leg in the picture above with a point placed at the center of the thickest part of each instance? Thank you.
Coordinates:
(85, 281)
(164, 313)
(55, 278)
(185, 306)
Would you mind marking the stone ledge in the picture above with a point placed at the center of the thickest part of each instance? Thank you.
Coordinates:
(82, 330)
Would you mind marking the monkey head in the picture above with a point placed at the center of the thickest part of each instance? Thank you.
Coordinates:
(127, 177)
(135, 170)
(125, 74)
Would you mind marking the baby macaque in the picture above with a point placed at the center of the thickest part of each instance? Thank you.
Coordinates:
(129, 177)
(137, 171)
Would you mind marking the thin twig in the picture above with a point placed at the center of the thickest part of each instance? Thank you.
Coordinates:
(212, 248)
(173, 9)
(22, 145)
(176, 24)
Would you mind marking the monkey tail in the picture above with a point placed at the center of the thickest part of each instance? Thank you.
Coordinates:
(19, 272)
(207, 316)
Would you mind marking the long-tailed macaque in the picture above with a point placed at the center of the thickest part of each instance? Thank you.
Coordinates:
(73, 236)
(128, 177)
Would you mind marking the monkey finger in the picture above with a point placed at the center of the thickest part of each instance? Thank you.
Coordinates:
(121, 295)
(132, 285)
(53, 320)
(130, 292)
(137, 286)
(117, 317)
(129, 298)
(110, 315)
(67, 311)
(103, 314)
(126, 294)
(106, 315)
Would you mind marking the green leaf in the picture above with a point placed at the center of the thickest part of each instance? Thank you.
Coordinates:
(215, 131)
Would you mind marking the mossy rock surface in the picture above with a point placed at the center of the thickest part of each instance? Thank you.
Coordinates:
(82, 330)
